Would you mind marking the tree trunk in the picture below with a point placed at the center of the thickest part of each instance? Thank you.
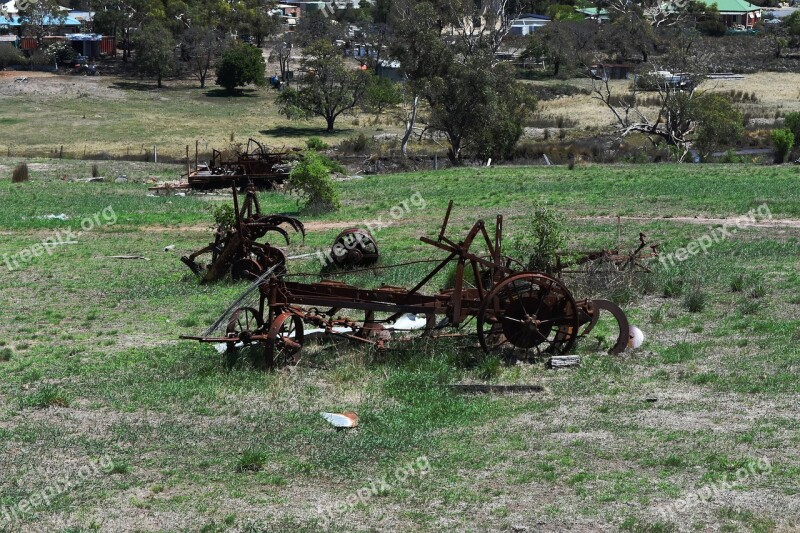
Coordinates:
(454, 153)
(159, 81)
(556, 67)
(410, 120)
(330, 120)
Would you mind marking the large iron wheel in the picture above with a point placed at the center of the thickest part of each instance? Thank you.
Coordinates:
(529, 312)
(354, 247)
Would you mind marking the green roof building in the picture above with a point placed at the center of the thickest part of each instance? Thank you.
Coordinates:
(737, 13)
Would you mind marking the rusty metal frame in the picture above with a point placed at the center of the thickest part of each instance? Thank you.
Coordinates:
(320, 303)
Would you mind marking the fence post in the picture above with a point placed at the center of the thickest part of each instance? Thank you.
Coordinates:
(155, 154)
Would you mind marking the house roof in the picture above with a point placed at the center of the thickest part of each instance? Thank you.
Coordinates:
(48, 21)
(532, 16)
(84, 37)
(732, 6)
(592, 11)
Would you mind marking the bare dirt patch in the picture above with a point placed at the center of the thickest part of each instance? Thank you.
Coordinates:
(702, 221)
(46, 85)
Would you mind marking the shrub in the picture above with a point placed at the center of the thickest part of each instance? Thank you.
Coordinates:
(792, 123)
(60, 52)
(95, 170)
(20, 173)
(310, 179)
(240, 65)
(224, 216)
(783, 139)
(315, 143)
(10, 56)
(360, 144)
(540, 240)
(721, 122)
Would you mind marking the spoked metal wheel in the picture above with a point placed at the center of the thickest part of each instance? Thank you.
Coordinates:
(261, 259)
(284, 340)
(530, 312)
(243, 324)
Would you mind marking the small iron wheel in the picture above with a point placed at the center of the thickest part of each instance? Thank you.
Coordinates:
(284, 340)
(245, 268)
(268, 257)
(244, 322)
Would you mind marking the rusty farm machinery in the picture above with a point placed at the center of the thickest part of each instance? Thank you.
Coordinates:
(254, 165)
(239, 247)
(506, 308)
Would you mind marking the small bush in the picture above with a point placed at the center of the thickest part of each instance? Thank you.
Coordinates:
(5, 355)
(695, 300)
(20, 173)
(360, 144)
(792, 123)
(673, 286)
(224, 217)
(11, 56)
(95, 170)
(783, 140)
(60, 52)
(657, 316)
(543, 236)
(749, 307)
(315, 143)
(311, 180)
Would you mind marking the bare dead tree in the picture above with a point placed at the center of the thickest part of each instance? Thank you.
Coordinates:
(658, 13)
(484, 26)
(673, 120)
(410, 119)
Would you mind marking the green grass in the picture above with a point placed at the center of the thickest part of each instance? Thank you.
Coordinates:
(123, 118)
(92, 366)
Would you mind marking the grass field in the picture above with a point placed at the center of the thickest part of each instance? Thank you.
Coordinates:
(109, 423)
(123, 117)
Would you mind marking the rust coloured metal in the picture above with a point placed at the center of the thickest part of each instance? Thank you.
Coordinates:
(239, 248)
(255, 164)
(529, 313)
